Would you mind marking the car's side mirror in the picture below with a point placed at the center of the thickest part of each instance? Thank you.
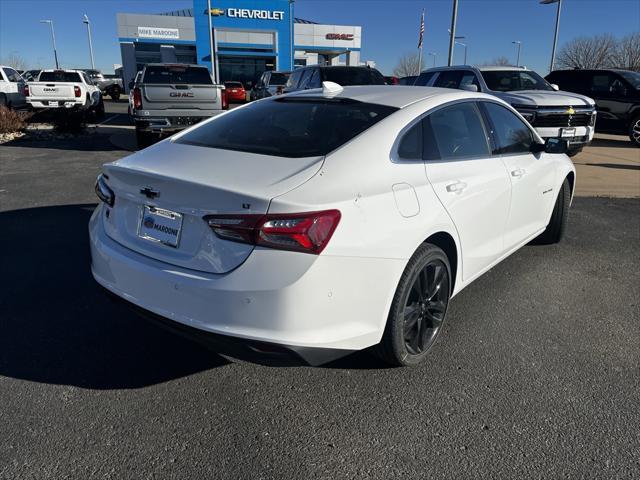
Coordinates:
(556, 145)
(555, 87)
(469, 87)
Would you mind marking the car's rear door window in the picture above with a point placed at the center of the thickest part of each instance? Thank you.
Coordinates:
(289, 126)
(178, 74)
(423, 79)
(448, 79)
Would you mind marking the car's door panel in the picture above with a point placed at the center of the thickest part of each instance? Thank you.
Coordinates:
(472, 185)
(532, 176)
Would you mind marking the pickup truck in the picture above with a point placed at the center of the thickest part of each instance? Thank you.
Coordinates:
(11, 88)
(170, 97)
(553, 113)
(108, 86)
(64, 89)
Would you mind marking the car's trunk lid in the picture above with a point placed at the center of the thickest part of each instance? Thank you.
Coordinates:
(192, 182)
(163, 97)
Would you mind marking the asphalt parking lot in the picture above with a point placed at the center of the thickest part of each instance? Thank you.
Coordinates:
(536, 374)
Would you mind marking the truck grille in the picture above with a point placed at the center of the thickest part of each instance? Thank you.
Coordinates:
(562, 120)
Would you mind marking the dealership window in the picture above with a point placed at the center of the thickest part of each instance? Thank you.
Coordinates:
(244, 69)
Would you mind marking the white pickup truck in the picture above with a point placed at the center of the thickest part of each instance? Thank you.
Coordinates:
(64, 89)
(11, 88)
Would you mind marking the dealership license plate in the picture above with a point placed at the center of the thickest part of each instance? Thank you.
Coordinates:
(567, 132)
(53, 104)
(160, 225)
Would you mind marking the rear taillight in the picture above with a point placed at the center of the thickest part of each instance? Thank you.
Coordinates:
(103, 191)
(224, 100)
(301, 232)
(25, 90)
(137, 98)
(76, 91)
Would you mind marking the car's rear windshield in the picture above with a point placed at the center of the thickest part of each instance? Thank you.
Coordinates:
(513, 80)
(59, 77)
(278, 79)
(233, 84)
(177, 74)
(289, 126)
(354, 76)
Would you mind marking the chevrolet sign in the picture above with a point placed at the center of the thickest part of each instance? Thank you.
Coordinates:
(248, 13)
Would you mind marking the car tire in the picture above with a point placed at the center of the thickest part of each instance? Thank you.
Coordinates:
(115, 94)
(634, 131)
(574, 151)
(418, 309)
(143, 138)
(558, 224)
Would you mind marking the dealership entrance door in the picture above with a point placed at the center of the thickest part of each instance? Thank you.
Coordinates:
(244, 69)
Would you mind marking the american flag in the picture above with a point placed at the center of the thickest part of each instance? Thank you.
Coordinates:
(421, 30)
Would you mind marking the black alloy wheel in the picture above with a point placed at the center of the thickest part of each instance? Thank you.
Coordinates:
(425, 307)
(418, 309)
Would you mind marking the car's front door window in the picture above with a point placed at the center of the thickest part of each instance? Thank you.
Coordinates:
(511, 135)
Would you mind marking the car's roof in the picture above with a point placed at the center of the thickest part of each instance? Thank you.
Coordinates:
(489, 68)
(390, 95)
(61, 70)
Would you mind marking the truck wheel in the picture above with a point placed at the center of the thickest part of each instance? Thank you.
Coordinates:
(114, 93)
(143, 138)
(634, 131)
(574, 151)
(99, 109)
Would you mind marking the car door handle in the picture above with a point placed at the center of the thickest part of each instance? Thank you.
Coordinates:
(456, 187)
(518, 172)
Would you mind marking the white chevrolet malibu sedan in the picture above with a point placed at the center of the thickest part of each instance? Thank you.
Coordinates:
(303, 227)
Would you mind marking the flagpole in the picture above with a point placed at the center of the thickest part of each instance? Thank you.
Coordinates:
(420, 43)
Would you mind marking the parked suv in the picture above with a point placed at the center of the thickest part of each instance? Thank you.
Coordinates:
(312, 77)
(617, 96)
(553, 113)
(270, 83)
(11, 88)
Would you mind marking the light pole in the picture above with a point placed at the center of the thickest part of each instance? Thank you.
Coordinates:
(86, 21)
(433, 54)
(452, 31)
(53, 38)
(519, 43)
(291, 47)
(465, 49)
(555, 36)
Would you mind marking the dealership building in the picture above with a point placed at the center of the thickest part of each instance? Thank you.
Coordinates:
(247, 38)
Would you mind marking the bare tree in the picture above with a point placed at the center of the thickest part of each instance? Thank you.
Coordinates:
(588, 52)
(627, 53)
(15, 61)
(409, 64)
(501, 61)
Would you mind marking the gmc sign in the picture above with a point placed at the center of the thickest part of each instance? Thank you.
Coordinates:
(339, 36)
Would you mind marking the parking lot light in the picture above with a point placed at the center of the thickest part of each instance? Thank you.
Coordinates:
(53, 38)
(519, 43)
(433, 54)
(86, 21)
(555, 36)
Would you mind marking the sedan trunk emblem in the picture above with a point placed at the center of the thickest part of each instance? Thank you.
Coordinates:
(149, 192)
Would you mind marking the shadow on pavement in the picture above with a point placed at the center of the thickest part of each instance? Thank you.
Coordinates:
(56, 324)
(620, 166)
(86, 143)
(624, 142)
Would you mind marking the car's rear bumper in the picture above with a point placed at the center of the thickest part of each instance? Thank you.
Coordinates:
(170, 122)
(319, 307)
(62, 103)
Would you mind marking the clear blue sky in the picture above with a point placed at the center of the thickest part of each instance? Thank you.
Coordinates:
(390, 27)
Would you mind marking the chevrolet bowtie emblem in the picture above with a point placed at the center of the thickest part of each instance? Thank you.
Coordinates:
(216, 12)
(571, 111)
